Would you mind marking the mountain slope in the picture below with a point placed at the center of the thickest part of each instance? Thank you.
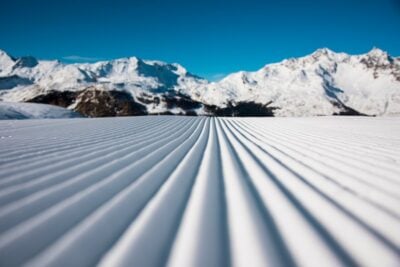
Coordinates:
(18, 111)
(323, 83)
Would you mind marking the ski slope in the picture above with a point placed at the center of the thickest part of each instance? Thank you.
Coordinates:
(196, 191)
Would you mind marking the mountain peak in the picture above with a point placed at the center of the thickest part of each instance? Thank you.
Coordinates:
(6, 61)
(377, 52)
(323, 51)
(4, 53)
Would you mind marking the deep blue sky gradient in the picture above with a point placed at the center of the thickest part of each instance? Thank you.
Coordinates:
(210, 37)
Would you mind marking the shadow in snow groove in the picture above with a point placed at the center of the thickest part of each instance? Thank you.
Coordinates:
(328, 178)
(342, 254)
(181, 191)
(280, 249)
(330, 239)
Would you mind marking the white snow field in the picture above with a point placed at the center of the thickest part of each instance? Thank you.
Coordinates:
(18, 111)
(197, 191)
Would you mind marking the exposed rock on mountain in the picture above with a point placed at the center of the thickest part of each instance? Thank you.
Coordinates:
(323, 83)
(105, 103)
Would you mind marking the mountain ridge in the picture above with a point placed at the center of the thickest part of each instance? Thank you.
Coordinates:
(322, 83)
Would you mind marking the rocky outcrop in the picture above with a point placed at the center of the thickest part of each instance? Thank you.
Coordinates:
(242, 109)
(101, 103)
(182, 104)
(95, 102)
(57, 98)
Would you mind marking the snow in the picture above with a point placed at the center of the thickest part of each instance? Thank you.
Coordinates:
(10, 110)
(298, 86)
(307, 86)
(6, 62)
(198, 191)
(131, 72)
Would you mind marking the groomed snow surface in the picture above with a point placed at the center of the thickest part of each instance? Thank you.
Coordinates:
(195, 191)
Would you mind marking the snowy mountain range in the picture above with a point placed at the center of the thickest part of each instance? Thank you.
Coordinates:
(9, 110)
(323, 83)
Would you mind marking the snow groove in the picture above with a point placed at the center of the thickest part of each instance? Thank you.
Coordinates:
(196, 191)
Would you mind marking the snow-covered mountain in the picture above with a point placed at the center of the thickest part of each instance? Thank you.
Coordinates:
(18, 111)
(323, 83)
(29, 80)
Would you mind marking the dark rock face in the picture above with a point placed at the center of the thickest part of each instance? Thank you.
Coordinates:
(242, 109)
(181, 101)
(373, 63)
(148, 99)
(100, 103)
(94, 102)
(377, 66)
(346, 111)
(57, 98)
(170, 101)
(332, 92)
(166, 113)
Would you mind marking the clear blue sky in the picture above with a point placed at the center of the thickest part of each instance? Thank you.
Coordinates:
(209, 37)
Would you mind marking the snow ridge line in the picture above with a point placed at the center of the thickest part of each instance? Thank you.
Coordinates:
(58, 218)
(107, 149)
(337, 147)
(38, 147)
(348, 168)
(63, 185)
(74, 154)
(196, 191)
(329, 172)
(202, 238)
(43, 141)
(333, 205)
